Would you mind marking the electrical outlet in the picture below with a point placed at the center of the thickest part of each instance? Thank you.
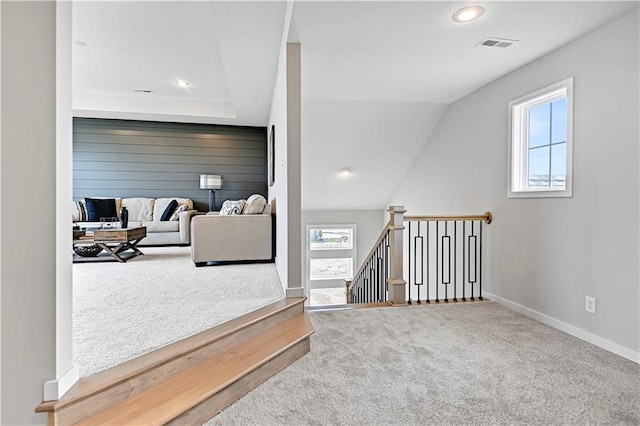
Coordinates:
(590, 304)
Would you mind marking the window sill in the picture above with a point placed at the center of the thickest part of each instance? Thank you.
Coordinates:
(564, 193)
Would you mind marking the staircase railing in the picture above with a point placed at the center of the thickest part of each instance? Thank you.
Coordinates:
(369, 284)
(441, 260)
(444, 260)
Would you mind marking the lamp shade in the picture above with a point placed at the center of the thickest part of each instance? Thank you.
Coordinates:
(210, 181)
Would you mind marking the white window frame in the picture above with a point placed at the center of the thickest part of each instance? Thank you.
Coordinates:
(332, 227)
(329, 253)
(518, 141)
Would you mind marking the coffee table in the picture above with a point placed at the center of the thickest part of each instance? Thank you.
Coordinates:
(116, 242)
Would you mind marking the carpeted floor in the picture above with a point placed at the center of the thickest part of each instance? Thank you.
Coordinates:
(121, 311)
(474, 363)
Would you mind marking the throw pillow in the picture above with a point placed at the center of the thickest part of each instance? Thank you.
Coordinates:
(176, 214)
(254, 205)
(230, 207)
(166, 215)
(79, 211)
(99, 208)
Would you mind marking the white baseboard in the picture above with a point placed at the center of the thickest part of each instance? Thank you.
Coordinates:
(568, 328)
(55, 389)
(294, 292)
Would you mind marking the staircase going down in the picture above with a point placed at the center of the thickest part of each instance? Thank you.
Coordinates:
(194, 379)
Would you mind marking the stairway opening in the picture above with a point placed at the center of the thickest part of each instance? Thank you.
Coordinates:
(331, 255)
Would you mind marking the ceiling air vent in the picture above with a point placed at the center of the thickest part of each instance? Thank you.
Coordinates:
(496, 42)
(143, 90)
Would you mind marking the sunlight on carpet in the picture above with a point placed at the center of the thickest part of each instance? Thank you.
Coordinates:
(121, 311)
(327, 296)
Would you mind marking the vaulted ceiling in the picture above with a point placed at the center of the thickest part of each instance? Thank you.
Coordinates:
(377, 75)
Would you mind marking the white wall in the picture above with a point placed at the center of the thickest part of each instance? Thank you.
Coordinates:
(294, 181)
(0, 217)
(285, 194)
(36, 160)
(28, 234)
(278, 192)
(548, 254)
(66, 374)
(376, 140)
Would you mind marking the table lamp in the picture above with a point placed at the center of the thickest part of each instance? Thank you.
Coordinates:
(211, 182)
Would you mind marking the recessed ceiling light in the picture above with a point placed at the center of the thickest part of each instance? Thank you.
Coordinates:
(183, 83)
(468, 13)
(345, 171)
(80, 43)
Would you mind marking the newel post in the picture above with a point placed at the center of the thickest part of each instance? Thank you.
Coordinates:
(397, 285)
(347, 284)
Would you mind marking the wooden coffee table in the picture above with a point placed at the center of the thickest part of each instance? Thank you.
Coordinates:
(115, 241)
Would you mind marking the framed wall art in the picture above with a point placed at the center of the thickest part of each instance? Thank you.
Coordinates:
(271, 155)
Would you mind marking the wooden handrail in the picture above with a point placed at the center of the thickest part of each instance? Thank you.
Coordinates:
(487, 217)
(371, 253)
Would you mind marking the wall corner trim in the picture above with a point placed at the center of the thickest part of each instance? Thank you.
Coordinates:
(568, 328)
(55, 389)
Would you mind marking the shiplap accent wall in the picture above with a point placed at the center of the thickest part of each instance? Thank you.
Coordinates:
(126, 158)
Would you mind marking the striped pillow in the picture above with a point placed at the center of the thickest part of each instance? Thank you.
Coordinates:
(79, 212)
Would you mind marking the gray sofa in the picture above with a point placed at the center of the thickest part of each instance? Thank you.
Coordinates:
(216, 237)
(147, 212)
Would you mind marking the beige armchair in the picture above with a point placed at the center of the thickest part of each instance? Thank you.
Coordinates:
(217, 237)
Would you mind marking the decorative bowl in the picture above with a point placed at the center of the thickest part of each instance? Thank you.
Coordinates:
(87, 250)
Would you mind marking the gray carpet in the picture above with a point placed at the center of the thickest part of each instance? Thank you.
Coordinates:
(475, 363)
(121, 311)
